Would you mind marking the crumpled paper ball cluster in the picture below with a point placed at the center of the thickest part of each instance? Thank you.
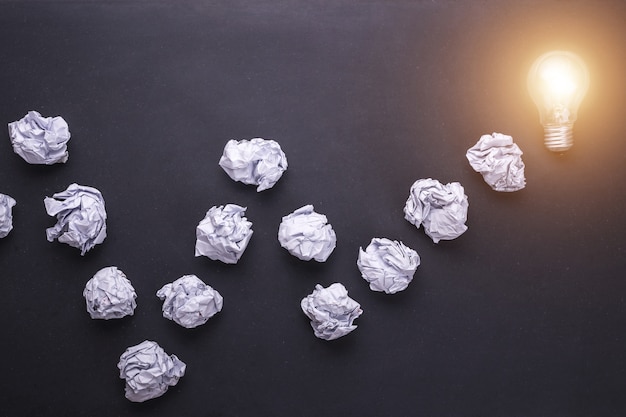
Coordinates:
(388, 266)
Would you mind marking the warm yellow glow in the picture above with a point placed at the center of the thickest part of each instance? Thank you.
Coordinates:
(557, 83)
(559, 78)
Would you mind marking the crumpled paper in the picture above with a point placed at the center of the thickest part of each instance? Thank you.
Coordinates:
(40, 140)
(189, 301)
(81, 217)
(6, 214)
(441, 209)
(110, 295)
(331, 311)
(388, 265)
(257, 161)
(149, 371)
(499, 160)
(223, 234)
(307, 235)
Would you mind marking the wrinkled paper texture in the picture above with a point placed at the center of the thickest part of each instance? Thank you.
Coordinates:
(223, 234)
(307, 235)
(441, 209)
(81, 217)
(331, 311)
(6, 214)
(149, 371)
(190, 302)
(388, 265)
(110, 295)
(40, 140)
(257, 161)
(499, 160)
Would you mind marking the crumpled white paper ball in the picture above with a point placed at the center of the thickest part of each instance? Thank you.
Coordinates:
(6, 214)
(441, 209)
(499, 160)
(331, 311)
(110, 295)
(257, 161)
(81, 217)
(40, 140)
(388, 265)
(307, 235)
(149, 371)
(224, 233)
(190, 302)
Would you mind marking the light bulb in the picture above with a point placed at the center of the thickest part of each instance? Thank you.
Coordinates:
(557, 83)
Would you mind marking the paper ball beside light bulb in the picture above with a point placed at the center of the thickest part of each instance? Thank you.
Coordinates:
(557, 83)
(499, 160)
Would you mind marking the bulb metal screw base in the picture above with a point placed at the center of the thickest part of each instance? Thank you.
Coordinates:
(559, 137)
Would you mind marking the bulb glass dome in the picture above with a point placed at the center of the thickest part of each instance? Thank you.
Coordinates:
(557, 83)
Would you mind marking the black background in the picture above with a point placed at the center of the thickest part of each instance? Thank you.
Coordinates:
(523, 315)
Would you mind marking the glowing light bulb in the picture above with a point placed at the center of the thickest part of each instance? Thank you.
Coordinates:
(557, 83)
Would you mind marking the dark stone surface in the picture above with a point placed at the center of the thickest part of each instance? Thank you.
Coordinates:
(523, 315)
